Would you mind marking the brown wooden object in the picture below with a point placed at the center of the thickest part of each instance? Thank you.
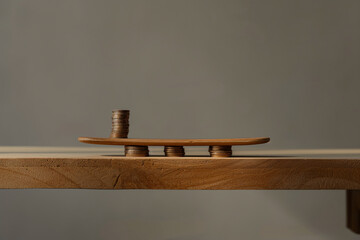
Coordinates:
(174, 142)
(108, 168)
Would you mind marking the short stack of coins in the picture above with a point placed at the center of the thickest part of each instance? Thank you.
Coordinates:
(136, 151)
(220, 151)
(174, 151)
(120, 124)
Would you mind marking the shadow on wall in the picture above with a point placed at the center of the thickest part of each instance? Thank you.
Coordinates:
(322, 211)
(155, 214)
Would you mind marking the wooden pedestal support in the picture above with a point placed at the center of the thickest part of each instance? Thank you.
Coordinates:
(353, 210)
(220, 151)
(136, 151)
(174, 151)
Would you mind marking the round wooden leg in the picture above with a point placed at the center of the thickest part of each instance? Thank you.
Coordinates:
(174, 151)
(136, 151)
(220, 151)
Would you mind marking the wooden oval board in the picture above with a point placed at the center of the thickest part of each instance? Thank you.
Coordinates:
(174, 142)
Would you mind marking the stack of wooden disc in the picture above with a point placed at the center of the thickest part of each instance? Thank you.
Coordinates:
(120, 124)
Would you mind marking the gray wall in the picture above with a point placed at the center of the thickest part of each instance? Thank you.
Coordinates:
(284, 69)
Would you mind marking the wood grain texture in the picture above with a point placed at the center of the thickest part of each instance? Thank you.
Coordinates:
(104, 168)
(174, 142)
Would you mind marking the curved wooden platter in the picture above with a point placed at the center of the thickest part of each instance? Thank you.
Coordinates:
(174, 142)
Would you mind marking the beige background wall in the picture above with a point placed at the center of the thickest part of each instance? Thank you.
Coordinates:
(284, 69)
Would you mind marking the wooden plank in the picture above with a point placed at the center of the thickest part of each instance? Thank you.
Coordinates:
(174, 142)
(104, 168)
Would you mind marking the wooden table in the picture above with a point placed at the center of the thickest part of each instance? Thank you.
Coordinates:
(106, 168)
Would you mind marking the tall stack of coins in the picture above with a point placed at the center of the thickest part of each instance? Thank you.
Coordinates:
(220, 151)
(136, 151)
(120, 124)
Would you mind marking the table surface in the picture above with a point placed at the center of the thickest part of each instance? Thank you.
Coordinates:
(107, 168)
